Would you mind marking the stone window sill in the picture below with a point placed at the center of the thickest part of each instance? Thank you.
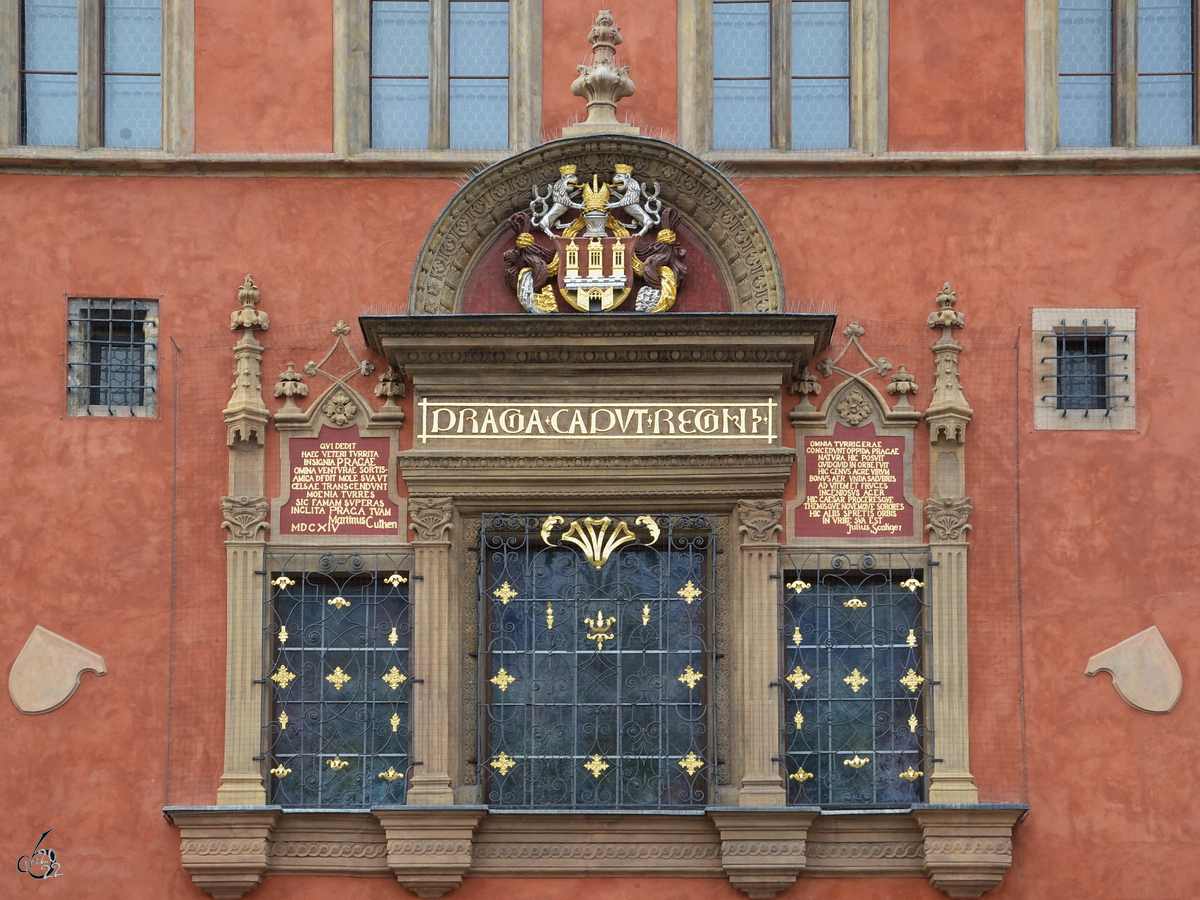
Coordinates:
(963, 849)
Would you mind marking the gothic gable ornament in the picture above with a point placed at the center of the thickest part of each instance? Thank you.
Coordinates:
(598, 245)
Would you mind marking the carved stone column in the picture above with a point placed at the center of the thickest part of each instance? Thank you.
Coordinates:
(756, 663)
(430, 851)
(435, 619)
(245, 513)
(948, 510)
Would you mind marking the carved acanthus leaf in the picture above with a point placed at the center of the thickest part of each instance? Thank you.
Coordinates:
(946, 316)
(431, 517)
(249, 316)
(759, 520)
(948, 518)
(245, 516)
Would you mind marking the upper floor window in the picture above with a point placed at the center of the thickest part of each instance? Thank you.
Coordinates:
(112, 357)
(1126, 73)
(91, 73)
(436, 75)
(783, 74)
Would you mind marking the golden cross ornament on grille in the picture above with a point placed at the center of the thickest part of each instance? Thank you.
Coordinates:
(691, 677)
(599, 627)
(856, 680)
(691, 763)
(283, 677)
(689, 592)
(391, 774)
(339, 602)
(801, 776)
(393, 678)
(395, 581)
(504, 593)
(503, 763)
(502, 680)
(596, 765)
(912, 681)
(337, 678)
(798, 678)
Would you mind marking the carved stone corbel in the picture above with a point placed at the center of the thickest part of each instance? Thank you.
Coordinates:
(763, 851)
(225, 852)
(967, 850)
(430, 850)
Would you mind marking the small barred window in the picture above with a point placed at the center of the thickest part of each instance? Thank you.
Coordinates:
(112, 357)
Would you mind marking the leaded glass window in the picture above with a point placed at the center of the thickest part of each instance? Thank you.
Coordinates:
(50, 72)
(596, 668)
(337, 672)
(112, 357)
(854, 682)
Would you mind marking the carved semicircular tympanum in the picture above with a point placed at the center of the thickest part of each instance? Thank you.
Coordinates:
(1143, 670)
(47, 671)
(711, 208)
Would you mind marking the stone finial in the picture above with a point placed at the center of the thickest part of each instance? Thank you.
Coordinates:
(947, 317)
(602, 83)
(249, 316)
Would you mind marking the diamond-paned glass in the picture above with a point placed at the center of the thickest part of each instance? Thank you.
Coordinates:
(853, 629)
(49, 73)
(133, 73)
(596, 664)
(400, 74)
(112, 356)
(337, 647)
(741, 75)
(820, 74)
(1085, 73)
(1166, 73)
(478, 75)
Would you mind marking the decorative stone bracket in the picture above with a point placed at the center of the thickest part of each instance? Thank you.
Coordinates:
(963, 849)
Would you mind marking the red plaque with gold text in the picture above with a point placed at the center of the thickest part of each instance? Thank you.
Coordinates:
(853, 486)
(339, 485)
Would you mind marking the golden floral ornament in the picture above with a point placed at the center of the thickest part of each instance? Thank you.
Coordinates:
(690, 677)
(393, 638)
(797, 637)
(283, 721)
(856, 680)
(503, 763)
(283, 676)
(798, 719)
(855, 603)
(689, 592)
(337, 763)
(857, 762)
(599, 627)
(912, 584)
(691, 763)
(911, 774)
(504, 593)
(391, 774)
(395, 580)
(799, 678)
(283, 634)
(801, 776)
(394, 721)
(393, 678)
(911, 640)
(798, 586)
(645, 614)
(912, 724)
(502, 679)
(337, 678)
(550, 616)
(596, 765)
(282, 582)
(912, 681)
(280, 771)
(338, 602)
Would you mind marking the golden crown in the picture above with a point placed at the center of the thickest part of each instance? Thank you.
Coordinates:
(566, 170)
(623, 169)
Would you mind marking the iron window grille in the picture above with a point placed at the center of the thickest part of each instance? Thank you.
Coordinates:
(853, 630)
(337, 670)
(596, 679)
(112, 357)
(1083, 376)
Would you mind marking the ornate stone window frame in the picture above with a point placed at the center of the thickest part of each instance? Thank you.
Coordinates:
(178, 77)
(352, 87)
(1048, 324)
(868, 80)
(1041, 84)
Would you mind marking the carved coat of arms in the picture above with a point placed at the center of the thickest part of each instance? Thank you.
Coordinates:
(600, 245)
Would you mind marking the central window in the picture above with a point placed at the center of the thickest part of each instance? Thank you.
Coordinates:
(597, 661)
